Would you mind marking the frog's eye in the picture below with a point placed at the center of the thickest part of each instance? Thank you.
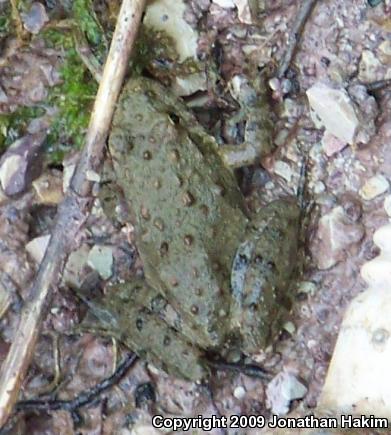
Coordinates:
(174, 118)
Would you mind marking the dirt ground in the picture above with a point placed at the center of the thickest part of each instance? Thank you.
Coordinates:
(344, 45)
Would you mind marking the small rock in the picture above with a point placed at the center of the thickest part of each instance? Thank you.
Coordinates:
(318, 187)
(73, 270)
(335, 109)
(387, 205)
(335, 235)
(289, 327)
(331, 144)
(20, 164)
(281, 390)
(307, 287)
(92, 176)
(35, 18)
(190, 84)
(37, 247)
(224, 3)
(68, 174)
(244, 11)
(100, 258)
(370, 67)
(239, 392)
(167, 16)
(374, 187)
(385, 52)
(283, 170)
(3, 96)
(48, 188)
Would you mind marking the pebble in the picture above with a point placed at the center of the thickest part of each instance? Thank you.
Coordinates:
(308, 287)
(370, 67)
(21, 163)
(224, 3)
(334, 236)
(283, 170)
(289, 327)
(73, 271)
(35, 18)
(387, 205)
(48, 188)
(239, 392)
(168, 16)
(36, 248)
(374, 187)
(100, 258)
(281, 390)
(331, 144)
(335, 108)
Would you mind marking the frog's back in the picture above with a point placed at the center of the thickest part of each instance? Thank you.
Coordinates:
(188, 211)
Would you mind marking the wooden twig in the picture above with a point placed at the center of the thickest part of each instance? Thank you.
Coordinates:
(83, 398)
(302, 15)
(74, 209)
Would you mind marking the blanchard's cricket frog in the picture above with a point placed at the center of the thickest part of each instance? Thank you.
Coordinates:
(213, 274)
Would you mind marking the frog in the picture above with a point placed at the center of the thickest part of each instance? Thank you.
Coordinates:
(215, 275)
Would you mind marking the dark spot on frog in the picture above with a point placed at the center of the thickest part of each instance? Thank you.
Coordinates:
(194, 309)
(166, 340)
(174, 118)
(198, 291)
(157, 184)
(163, 249)
(188, 239)
(139, 117)
(174, 282)
(220, 189)
(159, 224)
(216, 266)
(175, 156)
(152, 140)
(139, 324)
(147, 155)
(145, 213)
(204, 209)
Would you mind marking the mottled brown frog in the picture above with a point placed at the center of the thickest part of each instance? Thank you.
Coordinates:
(214, 275)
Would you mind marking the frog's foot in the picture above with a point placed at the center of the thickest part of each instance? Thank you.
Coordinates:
(144, 332)
(262, 272)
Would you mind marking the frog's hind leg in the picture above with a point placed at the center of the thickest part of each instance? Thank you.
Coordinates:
(262, 274)
(124, 314)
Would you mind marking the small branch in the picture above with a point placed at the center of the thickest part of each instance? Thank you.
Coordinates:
(73, 211)
(82, 399)
(294, 35)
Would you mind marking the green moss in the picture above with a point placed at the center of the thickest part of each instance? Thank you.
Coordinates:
(87, 22)
(13, 125)
(73, 98)
(4, 25)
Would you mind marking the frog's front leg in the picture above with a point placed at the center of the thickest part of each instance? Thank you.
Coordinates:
(125, 313)
(262, 273)
(255, 117)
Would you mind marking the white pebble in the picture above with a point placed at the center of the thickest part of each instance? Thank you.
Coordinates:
(239, 392)
(374, 187)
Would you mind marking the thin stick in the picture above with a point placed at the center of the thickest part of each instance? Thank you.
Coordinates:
(73, 211)
(294, 35)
